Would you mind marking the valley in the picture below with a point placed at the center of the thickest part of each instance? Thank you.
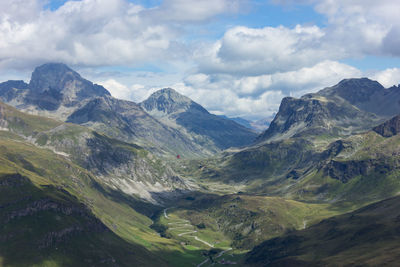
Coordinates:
(87, 179)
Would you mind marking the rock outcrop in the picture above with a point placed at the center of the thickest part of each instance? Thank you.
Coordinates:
(389, 128)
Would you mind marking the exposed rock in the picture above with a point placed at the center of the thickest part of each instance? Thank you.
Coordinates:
(389, 128)
(351, 106)
(54, 84)
(347, 170)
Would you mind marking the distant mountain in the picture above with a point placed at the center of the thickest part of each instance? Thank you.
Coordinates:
(262, 124)
(241, 121)
(55, 91)
(210, 131)
(258, 126)
(366, 237)
(59, 92)
(352, 106)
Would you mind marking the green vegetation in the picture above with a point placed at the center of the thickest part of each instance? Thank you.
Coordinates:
(366, 237)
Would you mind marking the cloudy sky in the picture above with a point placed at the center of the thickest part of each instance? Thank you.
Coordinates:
(235, 57)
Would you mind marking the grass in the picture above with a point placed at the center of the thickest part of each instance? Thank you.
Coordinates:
(128, 228)
(365, 237)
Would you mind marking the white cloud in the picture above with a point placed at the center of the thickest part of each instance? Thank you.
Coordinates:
(99, 32)
(249, 51)
(246, 72)
(193, 10)
(117, 89)
(363, 26)
(388, 77)
(135, 92)
(259, 96)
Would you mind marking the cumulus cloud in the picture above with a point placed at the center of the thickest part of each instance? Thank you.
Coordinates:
(245, 72)
(135, 92)
(249, 51)
(259, 96)
(364, 26)
(388, 77)
(99, 32)
(193, 10)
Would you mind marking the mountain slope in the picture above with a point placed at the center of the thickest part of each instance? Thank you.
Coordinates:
(52, 214)
(208, 130)
(127, 121)
(124, 166)
(314, 162)
(87, 181)
(355, 170)
(366, 237)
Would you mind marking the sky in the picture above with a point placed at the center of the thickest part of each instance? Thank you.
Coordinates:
(234, 57)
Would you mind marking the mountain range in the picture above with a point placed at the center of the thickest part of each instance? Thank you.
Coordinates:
(87, 179)
(58, 92)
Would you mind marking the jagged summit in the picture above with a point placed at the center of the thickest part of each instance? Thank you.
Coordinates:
(59, 77)
(52, 76)
(351, 106)
(169, 101)
(55, 85)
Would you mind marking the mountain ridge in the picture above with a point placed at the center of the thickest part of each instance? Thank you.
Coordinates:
(210, 131)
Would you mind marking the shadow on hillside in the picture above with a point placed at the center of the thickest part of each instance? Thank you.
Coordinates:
(47, 225)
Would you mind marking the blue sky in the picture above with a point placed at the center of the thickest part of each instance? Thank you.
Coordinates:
(235, 57)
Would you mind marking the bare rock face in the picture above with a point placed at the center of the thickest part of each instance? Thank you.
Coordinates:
(389, 128)
(55, 84)
(351, 106)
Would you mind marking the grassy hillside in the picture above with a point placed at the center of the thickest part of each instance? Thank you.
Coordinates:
(50, 212)
(366, 237)
(358, 170)
(54, 182)
(237, 220)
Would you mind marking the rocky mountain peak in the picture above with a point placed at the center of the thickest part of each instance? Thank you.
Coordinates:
(54, 84)
(59, 77)
(52, 76)
(169, 101)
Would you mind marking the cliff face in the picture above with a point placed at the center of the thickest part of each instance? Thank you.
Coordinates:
(352, 106)
(389, 128)
(54, 85)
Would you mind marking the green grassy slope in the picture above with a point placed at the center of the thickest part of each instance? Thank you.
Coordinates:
(240, 221)
(359, 169)
(44, 218)
(53, 173)
(369, 236)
